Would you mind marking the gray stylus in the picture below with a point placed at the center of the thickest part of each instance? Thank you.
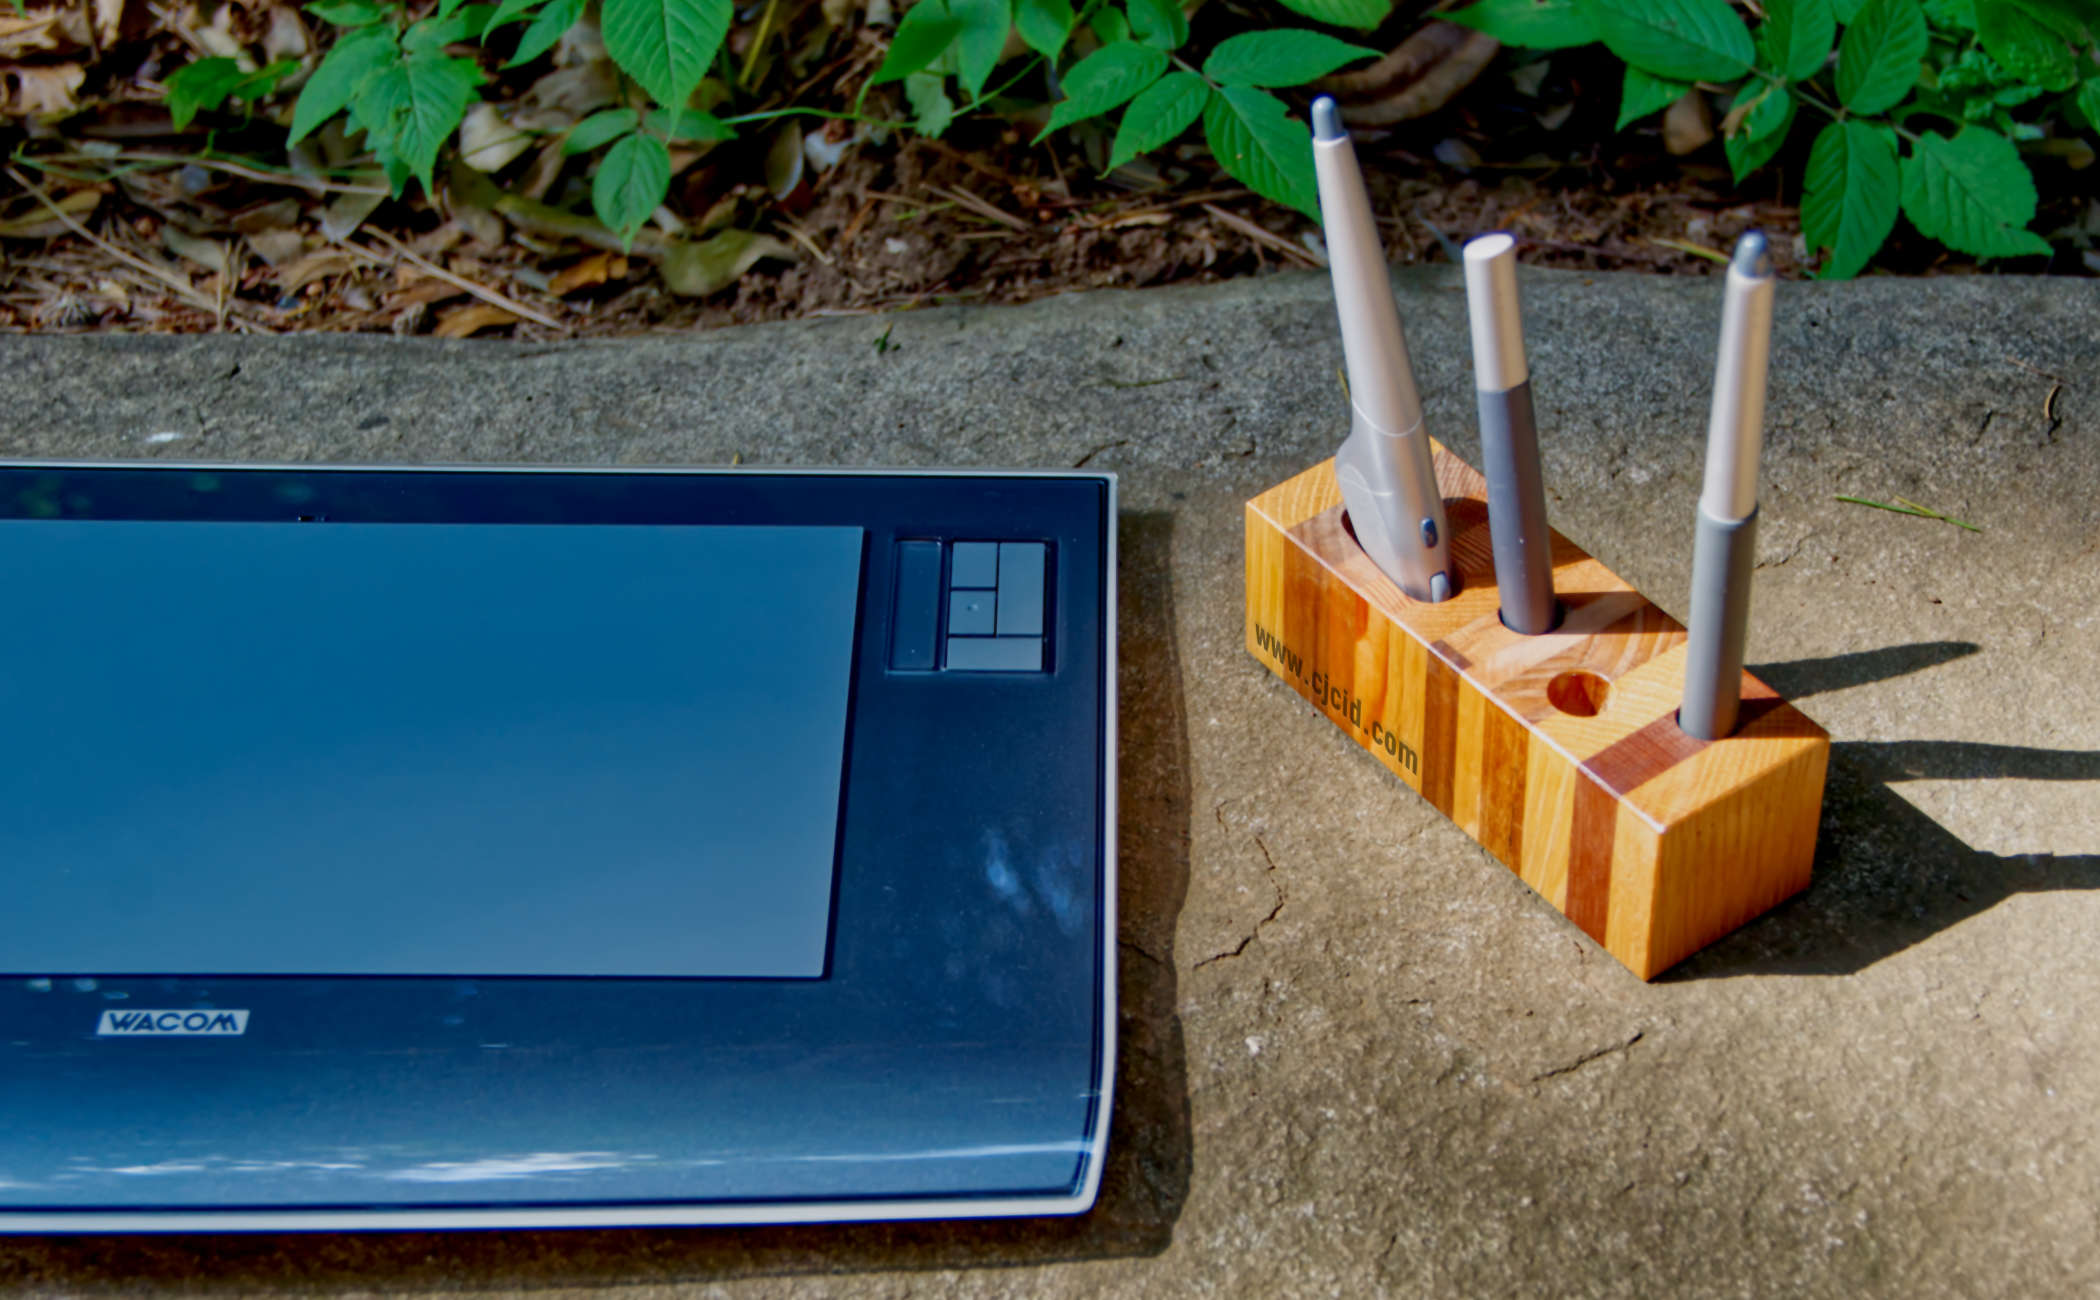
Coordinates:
(1388, 482)
(1725, 549)
(1509, 437)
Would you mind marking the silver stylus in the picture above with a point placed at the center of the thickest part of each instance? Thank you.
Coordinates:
(1725, 548)
(1509, 438)
(1388, 484)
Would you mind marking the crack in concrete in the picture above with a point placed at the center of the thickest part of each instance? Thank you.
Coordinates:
(1142, 951)
(1588, 1057)
(1106, 446)
(1274, 912)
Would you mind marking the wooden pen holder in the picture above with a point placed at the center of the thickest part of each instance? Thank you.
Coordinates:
(1559, 753)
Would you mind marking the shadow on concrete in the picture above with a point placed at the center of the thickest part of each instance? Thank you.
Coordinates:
(1888, 876)
(1150, 1144)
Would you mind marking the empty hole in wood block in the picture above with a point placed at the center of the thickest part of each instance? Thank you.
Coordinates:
(1578, 693)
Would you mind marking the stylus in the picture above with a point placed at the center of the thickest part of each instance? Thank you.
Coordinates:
(1725, 548)
(1509, 437)
(1388, 483)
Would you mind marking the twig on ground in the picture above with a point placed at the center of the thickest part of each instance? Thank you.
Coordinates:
(482, 292)
(982, 207)
(179, 284)
(1696, 250)
(1266, 238)
(795, 231)
(1905, 506)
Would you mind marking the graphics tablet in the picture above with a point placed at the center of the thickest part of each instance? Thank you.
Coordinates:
(503, 847)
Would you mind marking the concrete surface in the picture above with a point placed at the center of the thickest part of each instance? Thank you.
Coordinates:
(1358, 1056)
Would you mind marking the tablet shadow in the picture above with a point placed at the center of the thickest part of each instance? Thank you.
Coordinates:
(1887, 875)
(1144, 1184)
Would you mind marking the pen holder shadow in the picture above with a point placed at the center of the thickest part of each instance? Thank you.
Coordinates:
(1559, 753)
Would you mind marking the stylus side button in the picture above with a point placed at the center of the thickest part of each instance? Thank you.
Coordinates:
(995, 654)
(1021, 588)
(918, 609)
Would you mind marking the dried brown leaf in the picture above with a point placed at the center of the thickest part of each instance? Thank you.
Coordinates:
(207, 253)
(593, 270)
(37, 221)
(314, 266)
(466, 321)
(1688, 124)
(277, 247)
(33, 33)
(109, 20)
(43, 91)
(488, 142)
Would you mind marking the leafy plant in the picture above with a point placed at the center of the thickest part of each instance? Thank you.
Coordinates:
(207, 83)
(405, 85)
(1136, 68)
(1920, 97)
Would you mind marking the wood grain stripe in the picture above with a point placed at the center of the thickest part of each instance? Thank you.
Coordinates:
(1505, 746)
(1439, 733)
(1632, 761)
(1589, 857)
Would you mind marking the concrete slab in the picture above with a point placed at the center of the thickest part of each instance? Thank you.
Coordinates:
(1358, 1056)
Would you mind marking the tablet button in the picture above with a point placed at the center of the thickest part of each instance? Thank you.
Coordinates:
(995, 654)
(975, 564)
(969, 613)
(1021, 588)
(918, 606)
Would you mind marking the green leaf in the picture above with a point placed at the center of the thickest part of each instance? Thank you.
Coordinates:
(511, 11)
(436, 32)
(1798, 36)
(1161, 111)
(355, 58)
(202, 84)
(1849, 205)
(1290, 56)
(2025, 43)
(549, 27)
(1944, 15)
(1972, 193)
(2089, 102)
(1528, 24)
(351, 13)
(411, 108)
(923, 35)
(666, 45)
(445, 8)
(688, 126)
(932, 110)
(631, 183)
(1762, 130)
(1110, 25)
(977, 45)
(598, 128)
(1255, 141)
(1343, 13)
(1680, 40)
(1879, 58)
(1642, 94)
(1104, 79)
(1159, 23)
(264, 80)
(1044, 25)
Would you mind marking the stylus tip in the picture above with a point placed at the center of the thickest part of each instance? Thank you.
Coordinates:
(1751, 257)
(1327, 119)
